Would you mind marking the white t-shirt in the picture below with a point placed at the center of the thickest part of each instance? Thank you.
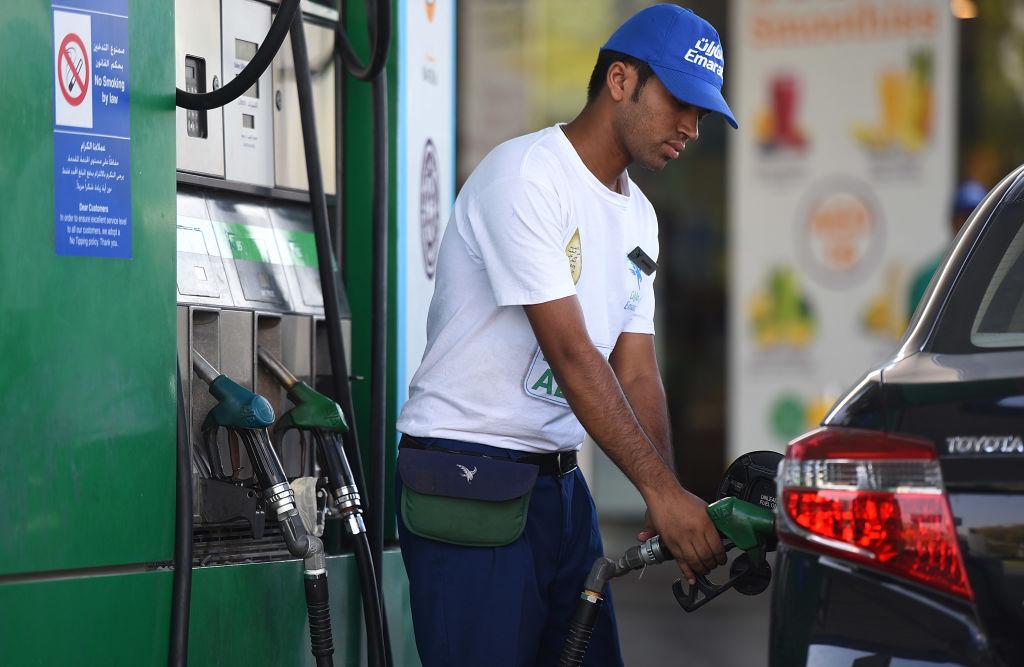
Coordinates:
(532, 224)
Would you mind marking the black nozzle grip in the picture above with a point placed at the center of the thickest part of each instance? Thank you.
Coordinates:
(335, 464)
(266, 466)
(319, 611)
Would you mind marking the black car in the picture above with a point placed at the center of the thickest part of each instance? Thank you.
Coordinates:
(901, 519)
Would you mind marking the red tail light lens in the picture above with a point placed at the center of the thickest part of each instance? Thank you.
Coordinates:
(873, 498)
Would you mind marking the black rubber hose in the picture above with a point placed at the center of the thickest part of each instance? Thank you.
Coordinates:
(581, 627)
(235, 88)
(318, 608)
(329, 279)
(181, 593)
(379, 323)
(373, 611)
(379, 24)
(377, 641)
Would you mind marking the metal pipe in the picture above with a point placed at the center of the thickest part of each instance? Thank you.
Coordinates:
(204, 369)
(276, 368)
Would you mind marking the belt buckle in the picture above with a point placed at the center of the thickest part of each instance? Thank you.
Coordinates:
(562, 470)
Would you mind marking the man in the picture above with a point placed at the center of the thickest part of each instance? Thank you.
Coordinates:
(541, 326)
(967, 197)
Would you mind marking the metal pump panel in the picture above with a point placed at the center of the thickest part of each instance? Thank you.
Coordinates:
(248, 121)
(197, 58)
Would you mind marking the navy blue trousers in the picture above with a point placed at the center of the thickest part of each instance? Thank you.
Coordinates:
(509, 606)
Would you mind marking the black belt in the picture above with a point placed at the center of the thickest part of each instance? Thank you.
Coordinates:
(555, 463)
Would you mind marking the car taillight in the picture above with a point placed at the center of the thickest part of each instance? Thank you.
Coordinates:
(873, 498)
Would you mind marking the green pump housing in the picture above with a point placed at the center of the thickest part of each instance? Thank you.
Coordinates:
(87, 371)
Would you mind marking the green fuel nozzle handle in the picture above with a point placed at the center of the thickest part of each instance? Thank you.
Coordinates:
(751, 529)
(319, 415)
(312, 409)
(747, 525)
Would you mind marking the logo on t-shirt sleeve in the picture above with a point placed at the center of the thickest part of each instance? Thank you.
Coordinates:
(574, 251)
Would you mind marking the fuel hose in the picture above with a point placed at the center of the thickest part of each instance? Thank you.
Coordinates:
(264, 55)
(321, 417)
(181, 593)
(378, 649)
(374, 71)
(379, 15)
(588, 607)
(248, 415)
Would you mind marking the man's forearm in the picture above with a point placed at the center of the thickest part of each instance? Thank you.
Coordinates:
(597, 399)
(646, 395)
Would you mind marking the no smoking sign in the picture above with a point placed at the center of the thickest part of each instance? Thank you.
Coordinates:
(73, 69)
(72, 40)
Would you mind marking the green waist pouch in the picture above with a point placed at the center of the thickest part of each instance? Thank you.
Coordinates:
(464, 499)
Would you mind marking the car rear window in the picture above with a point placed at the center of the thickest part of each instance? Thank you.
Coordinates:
(985, 309)
(1000, 318)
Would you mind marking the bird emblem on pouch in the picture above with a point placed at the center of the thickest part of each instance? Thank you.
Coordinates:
(466, 472)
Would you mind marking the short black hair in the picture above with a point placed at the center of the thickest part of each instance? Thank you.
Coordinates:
(605, 58)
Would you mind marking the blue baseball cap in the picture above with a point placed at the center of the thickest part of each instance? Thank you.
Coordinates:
(683, 50)
(968, 196)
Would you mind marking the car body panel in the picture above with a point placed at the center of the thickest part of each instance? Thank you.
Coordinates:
(968, 400)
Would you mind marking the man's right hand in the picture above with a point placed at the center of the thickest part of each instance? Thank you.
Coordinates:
(686, 529)
(595, 396)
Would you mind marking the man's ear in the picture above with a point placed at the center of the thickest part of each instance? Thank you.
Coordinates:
(620, 80)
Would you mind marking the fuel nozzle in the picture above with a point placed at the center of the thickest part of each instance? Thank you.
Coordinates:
(247, 415)
(747, 527)
(323, 418)
(742, 524)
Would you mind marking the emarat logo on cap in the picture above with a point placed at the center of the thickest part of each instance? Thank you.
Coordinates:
(704, 53)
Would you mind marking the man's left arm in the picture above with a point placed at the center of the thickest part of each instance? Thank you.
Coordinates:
(636, 367)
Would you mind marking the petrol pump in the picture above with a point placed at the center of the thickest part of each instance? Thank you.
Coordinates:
(237, 208)
(260, 298)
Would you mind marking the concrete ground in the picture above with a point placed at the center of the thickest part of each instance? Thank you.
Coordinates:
(729, 631)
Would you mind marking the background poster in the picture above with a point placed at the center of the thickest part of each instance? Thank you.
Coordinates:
(840, 181)
(426, 166)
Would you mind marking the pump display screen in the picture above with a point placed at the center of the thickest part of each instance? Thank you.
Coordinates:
(245, 51)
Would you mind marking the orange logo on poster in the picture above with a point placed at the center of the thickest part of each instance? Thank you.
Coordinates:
(840, 227)
(431, 6)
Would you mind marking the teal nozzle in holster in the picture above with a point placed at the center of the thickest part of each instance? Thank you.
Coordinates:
(237, 407)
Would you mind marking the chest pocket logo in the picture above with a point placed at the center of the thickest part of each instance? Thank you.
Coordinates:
(574, 251)
(634, 294)
(540, 379)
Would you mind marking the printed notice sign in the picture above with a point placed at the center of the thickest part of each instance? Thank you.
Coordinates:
(92, 193)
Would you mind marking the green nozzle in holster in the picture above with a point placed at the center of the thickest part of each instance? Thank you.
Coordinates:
(312, 410)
